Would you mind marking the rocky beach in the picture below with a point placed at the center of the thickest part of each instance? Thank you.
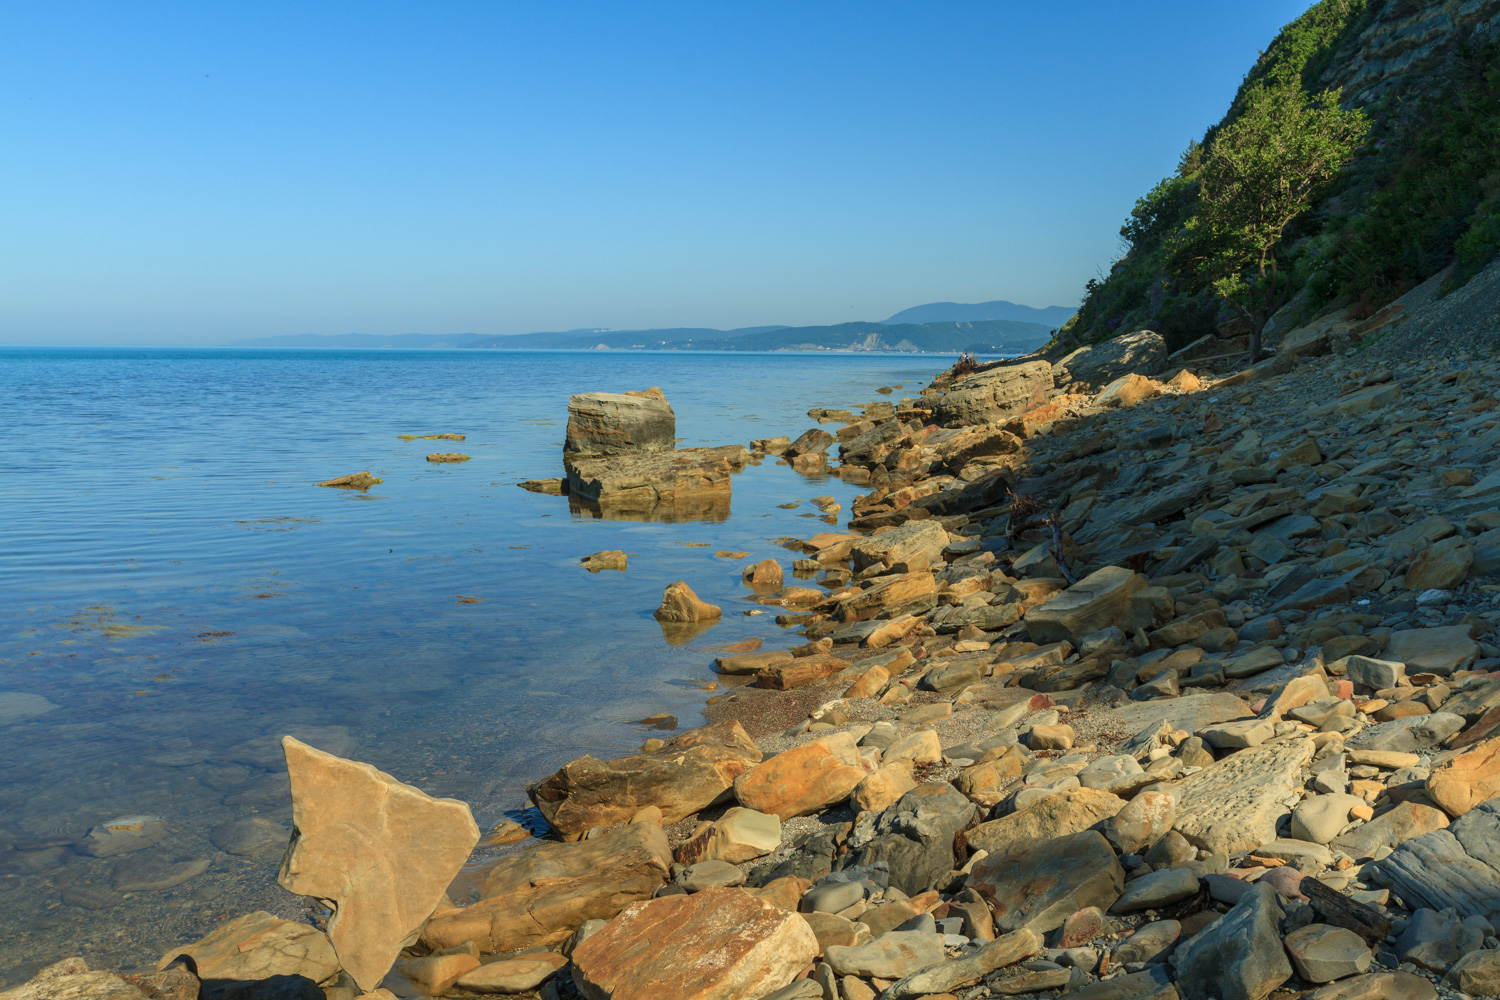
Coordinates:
(1132, 674)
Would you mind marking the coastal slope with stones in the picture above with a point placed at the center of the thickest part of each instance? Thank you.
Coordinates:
(1126, 680)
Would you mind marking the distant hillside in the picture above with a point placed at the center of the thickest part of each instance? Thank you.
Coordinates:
(959, 312)
(986, 337)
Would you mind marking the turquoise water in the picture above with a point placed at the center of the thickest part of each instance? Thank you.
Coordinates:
(180, 594)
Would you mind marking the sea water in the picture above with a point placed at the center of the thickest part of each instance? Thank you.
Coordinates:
(176, 594)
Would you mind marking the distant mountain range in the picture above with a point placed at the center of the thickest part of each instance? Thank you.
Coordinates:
(958, 312)
(980, 334)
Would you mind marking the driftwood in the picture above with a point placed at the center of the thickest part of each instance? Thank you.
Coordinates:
(1339, 910)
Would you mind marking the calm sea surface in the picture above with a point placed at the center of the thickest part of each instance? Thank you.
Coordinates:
(176, 594)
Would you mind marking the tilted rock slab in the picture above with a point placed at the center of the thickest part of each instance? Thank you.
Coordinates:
(1098, 601)
(259, 945)
(693, 771)
(1040, 883)
(1235, 804)
(994, 394)
(718, 944)
(540, 896)
(380, 853)
(1458, 867)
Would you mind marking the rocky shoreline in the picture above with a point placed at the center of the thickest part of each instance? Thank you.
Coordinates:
(1128, 678)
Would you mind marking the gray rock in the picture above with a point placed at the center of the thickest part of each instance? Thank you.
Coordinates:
(1235, 804)
(832, 897)
(1142, 352)
(1150, 943)
(915, 836)
(1158, 889)
(1408, 735)
(1237, 957)
(892, 955)
(1435, 940)
(994, 393)
(1040, 883)
(1321, 953)
(1374, 674)
(1153, 983)
(710, 875)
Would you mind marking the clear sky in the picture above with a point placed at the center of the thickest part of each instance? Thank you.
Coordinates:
(178, 173)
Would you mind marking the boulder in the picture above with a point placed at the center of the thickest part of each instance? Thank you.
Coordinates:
(667, 485)
(1157, 889)
(433, 975)
(540, 895)
(1067, 812)
(1433, 650)
(1321, 953)
(882, 788)
(608, 423)
(718, 944)
(1457, 867)
(1477, 973)
(680, 604)
(742, 835)
(803, 780)
(514, 975)
(1039, 883)
(1377, 986)
(690, 772)
(259, 945)
(378, 852)
(1390, 829)
(1467, 779)
(1235, 804)
(1237, 957)
(609, 559)
(766, 573)
(1442, 566)
(903, 545)
(1143, 821)
(1128, 390)
(892, 955)
(1098, 601)
(1143, 351)
(809, 442)
(959, 973)
(914, 837)
(994, 394)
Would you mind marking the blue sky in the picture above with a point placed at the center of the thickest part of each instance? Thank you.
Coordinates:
(194, 173)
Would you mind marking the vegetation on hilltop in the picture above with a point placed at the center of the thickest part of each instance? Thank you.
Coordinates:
(1423, 193)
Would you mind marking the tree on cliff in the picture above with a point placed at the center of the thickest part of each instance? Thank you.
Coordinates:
(1261, 171)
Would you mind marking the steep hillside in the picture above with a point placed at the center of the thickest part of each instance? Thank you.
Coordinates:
(1421, 197)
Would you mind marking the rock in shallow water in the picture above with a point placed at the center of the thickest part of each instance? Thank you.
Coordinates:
(379, 852)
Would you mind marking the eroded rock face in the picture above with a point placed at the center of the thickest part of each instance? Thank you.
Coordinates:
(1235, 804)
(718, 944)
(691, 772)
(259, 946)
(542, 895)
(1141, 352)
(609, 423)
(995, 394)
(380, 853)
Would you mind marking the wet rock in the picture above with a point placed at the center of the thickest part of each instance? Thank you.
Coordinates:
(719, 943)
(539, 896)
(680, 604)
(690, 772)
(1321, 953)
(803, 780)
(151, 873)
(609, 559)
(353, 481)
(258, 946)
(1038, 883)
(1238, 957)
(71, 979)
(256, 837)
(1235, 804)
(378, 852)
(123, 835)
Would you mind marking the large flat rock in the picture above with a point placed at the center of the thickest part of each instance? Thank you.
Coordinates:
(1190, 712)
(1040, 883)
(650, 480)
(1234, 805)
(380, 853)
